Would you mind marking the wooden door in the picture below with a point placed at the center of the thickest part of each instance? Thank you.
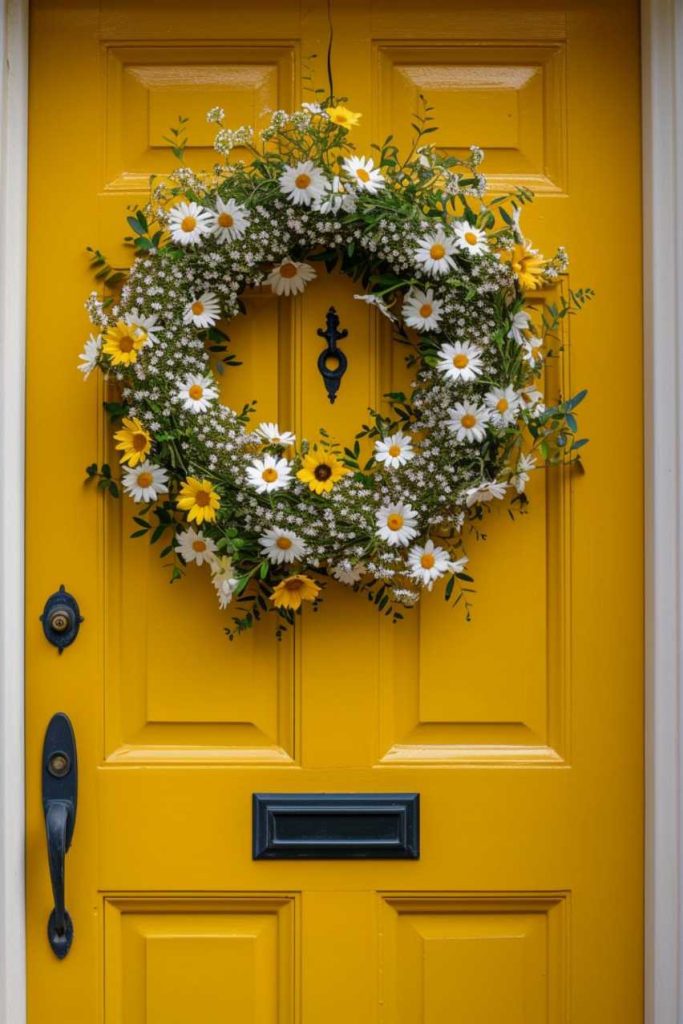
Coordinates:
(521, 730)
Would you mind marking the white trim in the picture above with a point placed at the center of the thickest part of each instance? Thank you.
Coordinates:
(662, 51)
(13, 153)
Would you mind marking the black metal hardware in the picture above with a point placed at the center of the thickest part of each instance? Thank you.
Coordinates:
(332, 362)
(60, 797)
(61, 619)
(340, 826)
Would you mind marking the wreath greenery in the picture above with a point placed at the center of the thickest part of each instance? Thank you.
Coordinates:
(273, 518)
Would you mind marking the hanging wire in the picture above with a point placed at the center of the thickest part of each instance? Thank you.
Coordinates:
(329, 50)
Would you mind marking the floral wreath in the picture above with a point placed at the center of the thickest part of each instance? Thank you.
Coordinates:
(271, 518)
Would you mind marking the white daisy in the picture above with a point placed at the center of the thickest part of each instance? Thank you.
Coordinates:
(427, 563)
(347, 573)
(194, 546)
(224, 580)
(394, 451)
(470, 239)
(269, 474)
(503, 405)
(197, 392)
(435, 253)
(189, 222)
(302, 183)
(531, 347)
(486, 491)
(145, 482)
(532, 400)
(421, 310)
(468, 421)
(335, 198)
(149, 324)
(396, 524)
(271, 434)
(461, 361)
(204, 311)
(364, 174)
(282, 546)
(519, 323)
(520, 477)
(290, 277)
(458, 564)
(379, 303)
(90, 355)
(230, 220)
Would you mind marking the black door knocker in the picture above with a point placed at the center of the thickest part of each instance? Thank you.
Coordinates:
(332, 362)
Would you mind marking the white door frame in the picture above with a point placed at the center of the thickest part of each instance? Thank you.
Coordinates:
(662, 53)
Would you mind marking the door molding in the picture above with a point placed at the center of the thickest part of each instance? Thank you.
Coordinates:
(13, 153)
(662, 91)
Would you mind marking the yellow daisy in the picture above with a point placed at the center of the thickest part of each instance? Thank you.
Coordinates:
(199, 499)
(292, 591)
(343, 117)
(321, 471)
(123, 342)
(134, 441)
(527, 265)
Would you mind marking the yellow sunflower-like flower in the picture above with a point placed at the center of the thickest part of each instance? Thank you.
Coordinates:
(292, 591)
(199, 499)
(343, 116)
(134, 441)
(321, 471)
(527, 265)
(123, 342)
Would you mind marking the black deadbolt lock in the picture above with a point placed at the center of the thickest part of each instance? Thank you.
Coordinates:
(61, 619)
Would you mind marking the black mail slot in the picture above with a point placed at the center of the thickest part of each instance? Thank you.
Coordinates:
(339, 826)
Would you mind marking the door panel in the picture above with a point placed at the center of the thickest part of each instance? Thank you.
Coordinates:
(521, 730)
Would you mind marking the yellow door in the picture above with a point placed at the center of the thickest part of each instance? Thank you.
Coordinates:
(521, 730)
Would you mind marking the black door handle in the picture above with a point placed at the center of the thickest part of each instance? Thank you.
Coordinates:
(60, 794)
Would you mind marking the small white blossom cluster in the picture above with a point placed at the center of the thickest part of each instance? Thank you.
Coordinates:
(386, 514)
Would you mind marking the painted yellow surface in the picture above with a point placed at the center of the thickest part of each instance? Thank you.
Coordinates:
(521, 730)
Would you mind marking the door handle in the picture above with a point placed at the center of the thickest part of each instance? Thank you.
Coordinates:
(60, 794)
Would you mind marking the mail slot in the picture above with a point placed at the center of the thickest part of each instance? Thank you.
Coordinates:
(340, 826)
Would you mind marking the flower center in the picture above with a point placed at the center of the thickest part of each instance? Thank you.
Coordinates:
(198, 545)
(468, 420)
(293, 584)
(427, 561)
(197, 308)
(269, 475)
(145, 480)
(362, 174)
(126, 343)
(471, 238)
(395, 521)
(288, 270)
(437, 251)
(302, 180)
(225, 220)
(502, 405)
(395, 451)
(188, 224)
(202, 498)
(322, 472)
(196, 392)
(139, 442)
(283, 543)
(426, 310)
(460, 361)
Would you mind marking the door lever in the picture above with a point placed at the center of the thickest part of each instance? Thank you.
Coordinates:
(60, 793)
